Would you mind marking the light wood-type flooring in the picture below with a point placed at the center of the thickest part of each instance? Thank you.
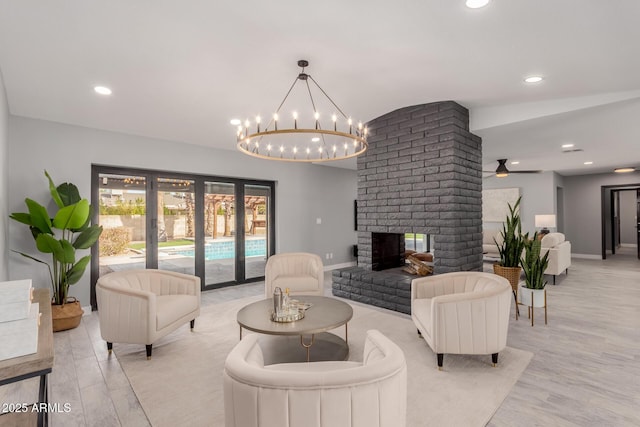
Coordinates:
(585, 370)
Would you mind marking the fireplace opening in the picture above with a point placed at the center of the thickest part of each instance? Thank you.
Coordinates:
(387, 251)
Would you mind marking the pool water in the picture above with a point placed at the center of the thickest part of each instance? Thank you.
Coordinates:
(226, 249)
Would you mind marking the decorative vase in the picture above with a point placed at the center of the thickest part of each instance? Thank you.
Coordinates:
(532, 297)
(512, 274)
(66, 316)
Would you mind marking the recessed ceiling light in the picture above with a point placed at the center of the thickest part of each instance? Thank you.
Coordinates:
(515, 163)
(624, 170)
(567, 145)
(533, 79)
(315, 139)
(235, 122)
(476, 4)
(102, 90)
(588, 163)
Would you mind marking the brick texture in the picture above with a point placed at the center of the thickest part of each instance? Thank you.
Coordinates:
(422, 173)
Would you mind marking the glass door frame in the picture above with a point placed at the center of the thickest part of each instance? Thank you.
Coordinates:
(151, 222)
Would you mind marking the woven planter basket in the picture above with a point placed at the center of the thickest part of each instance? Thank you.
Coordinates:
(512, 274)
(66, 316)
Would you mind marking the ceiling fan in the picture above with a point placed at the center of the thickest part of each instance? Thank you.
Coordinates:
(502, 171)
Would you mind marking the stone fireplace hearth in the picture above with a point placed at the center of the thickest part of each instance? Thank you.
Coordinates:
(422, 173)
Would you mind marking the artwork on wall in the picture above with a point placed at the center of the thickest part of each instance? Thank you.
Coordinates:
(495, 203)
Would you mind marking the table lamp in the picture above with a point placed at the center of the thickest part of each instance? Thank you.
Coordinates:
(545, 221)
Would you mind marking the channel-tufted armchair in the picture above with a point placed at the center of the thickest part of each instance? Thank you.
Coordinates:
(316, 394)
(142, 306)
(462, 313)
(301, 272)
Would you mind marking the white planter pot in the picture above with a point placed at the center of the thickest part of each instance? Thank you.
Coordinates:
(531, 297)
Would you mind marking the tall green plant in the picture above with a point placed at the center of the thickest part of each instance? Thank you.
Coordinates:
(512, 238)
(533, 264)
(61, 236)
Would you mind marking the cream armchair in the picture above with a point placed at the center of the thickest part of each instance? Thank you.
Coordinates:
(301, 272)
(316, 394)
(142, 306)
(559, 253)
(489, 240)
(462, 313)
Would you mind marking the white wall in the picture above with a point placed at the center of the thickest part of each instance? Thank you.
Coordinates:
(4, 178)
(304, 192)
(538, 193)
(582, 197)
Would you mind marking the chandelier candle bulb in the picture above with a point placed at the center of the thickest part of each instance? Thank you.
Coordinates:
(295, 120)
(317, 116)
(258, 123)
(350, 125)
(275, 121)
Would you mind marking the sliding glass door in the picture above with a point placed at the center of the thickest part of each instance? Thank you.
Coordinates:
(122, 207)
(175, 225)
(186, 223)
(257, 200)
(220, 232)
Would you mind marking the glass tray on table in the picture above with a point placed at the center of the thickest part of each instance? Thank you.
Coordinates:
(296, 312)
(291, 316)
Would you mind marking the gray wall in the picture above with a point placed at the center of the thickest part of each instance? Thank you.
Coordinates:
(304, 192)
(538, 193)
(582, 197)
(4, 178)
(628, 234)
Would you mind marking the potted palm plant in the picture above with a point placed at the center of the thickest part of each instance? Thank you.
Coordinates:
(534, 265)
(511, 247)
(61, 237)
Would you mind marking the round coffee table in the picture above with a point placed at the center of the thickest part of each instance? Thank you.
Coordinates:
(290, 343)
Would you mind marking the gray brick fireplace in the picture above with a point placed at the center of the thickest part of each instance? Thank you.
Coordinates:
(422, 173)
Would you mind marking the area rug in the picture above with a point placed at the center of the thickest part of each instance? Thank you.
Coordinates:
(182, 383)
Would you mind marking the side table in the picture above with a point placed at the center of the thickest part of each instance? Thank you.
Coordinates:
(33, 365)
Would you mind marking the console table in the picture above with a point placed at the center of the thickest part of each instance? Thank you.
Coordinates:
(32, 365)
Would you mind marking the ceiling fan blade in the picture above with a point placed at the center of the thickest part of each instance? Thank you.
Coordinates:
(525, 171)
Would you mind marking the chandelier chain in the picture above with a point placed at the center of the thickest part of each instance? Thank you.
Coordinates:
(283, 101)
(328, 97)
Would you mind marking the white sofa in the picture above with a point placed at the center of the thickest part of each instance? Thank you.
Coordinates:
(462, 313)
(301, 272)
(142, 306)
(489, 248)
(559, 254)
(316, 394)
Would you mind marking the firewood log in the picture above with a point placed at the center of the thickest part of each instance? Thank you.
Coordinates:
(421, 267)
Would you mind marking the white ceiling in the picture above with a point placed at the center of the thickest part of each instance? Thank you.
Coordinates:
(181, 70)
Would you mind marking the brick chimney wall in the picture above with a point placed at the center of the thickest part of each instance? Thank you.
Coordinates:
(422, 173)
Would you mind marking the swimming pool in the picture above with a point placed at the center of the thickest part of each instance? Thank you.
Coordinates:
(226, 249)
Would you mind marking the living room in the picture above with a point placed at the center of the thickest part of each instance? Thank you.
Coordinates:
(179, 74)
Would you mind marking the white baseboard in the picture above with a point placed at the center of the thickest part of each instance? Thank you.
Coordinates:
(628, 245)
(335, 266)
(586, 256)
